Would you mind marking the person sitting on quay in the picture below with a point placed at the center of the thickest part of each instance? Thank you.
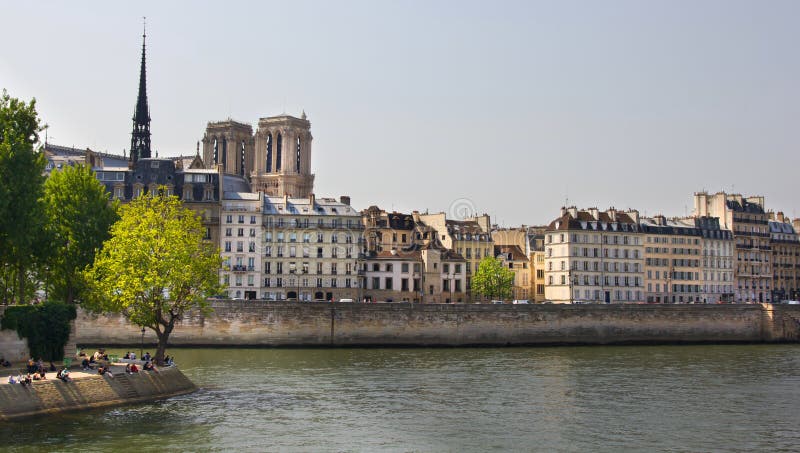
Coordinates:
(5, 363)
(40, 376)
(133, 355)
(146, 357)
(25, 381)
(168, 361)
(127, 355)
(131, 368)
(148, 366)
(31, 365)
(85, 365)
(63, 374)
(52, 366)
(12, 380)
(104, 371)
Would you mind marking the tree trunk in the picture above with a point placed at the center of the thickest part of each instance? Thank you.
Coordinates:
(21, 282)
(161, 348)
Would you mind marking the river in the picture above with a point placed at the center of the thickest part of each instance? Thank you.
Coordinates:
(626, 398)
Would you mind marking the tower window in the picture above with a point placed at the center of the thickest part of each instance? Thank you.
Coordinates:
(241, 163)
(225, 153)
(278, 156)
(269, 153)
(216, 151)
(297, 160)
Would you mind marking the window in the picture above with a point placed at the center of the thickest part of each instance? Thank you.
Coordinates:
(388, 282)
(388, 267)
(404, 268)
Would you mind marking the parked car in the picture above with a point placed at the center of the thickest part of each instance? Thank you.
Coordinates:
(520, 302)
(345, 300)
(498, 302)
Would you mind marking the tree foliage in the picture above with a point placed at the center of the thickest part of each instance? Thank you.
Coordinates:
(492, 279)
(21, 187)
(155, 267)
(45, 326)
(79, 218)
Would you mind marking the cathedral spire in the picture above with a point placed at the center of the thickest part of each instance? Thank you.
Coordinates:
(140, 136)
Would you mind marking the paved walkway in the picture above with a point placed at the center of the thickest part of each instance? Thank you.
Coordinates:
(75, 372)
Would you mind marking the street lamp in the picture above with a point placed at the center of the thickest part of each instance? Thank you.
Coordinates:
(141, 345)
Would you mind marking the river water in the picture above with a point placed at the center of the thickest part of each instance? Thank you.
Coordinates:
(628, 398)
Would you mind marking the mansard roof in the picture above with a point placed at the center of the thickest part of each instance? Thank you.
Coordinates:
(517, 254)
(745, 206)
(587, 222)
(302, 206)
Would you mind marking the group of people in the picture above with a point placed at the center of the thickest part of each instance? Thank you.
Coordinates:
(89, 362)
(28, 378)
(37, 366)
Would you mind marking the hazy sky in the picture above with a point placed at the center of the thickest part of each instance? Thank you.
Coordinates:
(508, 107)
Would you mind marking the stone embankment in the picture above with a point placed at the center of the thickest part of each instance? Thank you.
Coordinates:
(260, 323)
(54, 395)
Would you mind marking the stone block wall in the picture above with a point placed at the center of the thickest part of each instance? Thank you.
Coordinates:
(261, 323)
(54, 395)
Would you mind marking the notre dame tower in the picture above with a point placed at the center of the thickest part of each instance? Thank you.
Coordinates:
(276, 160)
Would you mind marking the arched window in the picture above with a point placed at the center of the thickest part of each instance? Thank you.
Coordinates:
(225, 153)
(278, 156)
(297, 159)
(216, 151)
(241, 161)
(269, 153)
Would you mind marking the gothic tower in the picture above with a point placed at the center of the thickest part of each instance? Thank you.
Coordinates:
(283, 157)
(230, 144)
(140, 137)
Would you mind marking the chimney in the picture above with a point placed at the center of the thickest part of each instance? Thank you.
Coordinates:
(221, 184)
(285, 201)
(595, 213)
(634, 215)
(573, 211)
(345, 200)
(563, 211)
(612, 213)
(312, 200)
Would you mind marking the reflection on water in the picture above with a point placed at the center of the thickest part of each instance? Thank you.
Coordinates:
(655, 398)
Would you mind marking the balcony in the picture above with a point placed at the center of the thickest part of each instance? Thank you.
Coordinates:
(242, 268)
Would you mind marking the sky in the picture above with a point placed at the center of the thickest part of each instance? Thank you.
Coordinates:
(508, 108)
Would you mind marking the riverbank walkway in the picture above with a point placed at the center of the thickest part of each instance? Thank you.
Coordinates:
(75, 371)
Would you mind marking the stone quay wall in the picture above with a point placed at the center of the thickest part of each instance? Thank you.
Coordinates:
(54, 395)
(293, 324)
(12, 347)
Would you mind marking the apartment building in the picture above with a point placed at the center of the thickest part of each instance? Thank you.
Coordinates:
(594, 256)
(785, 258)
(747, 220)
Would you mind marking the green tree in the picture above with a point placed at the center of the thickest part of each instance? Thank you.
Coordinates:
(492, 279)
(155, 267)
(21, 187)
(79, 218)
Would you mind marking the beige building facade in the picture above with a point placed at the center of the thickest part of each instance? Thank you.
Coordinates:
(785, 258)
(470, 238)
(747, 220)
(594, 257)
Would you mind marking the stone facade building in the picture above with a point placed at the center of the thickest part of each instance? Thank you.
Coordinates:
(470, 238)
(275, 160)
(515, 259)
(405, 261)
(785, 258)
(746, 218)
(593, 256)
(672, 261)
(282, 248)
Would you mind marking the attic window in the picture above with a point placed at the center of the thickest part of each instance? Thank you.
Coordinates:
(154, 164)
